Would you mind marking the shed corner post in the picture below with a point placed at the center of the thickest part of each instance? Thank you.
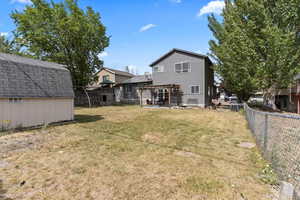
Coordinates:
(170, 97)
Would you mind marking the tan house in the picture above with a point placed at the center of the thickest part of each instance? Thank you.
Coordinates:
(285, 99)
(33, 92)
(289, 99)
(110, 77)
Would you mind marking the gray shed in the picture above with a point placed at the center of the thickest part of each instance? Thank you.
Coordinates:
(33, 92)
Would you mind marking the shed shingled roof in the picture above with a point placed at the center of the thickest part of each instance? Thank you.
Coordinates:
(22, 77)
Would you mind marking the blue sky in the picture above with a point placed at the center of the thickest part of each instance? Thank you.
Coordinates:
(141, 30)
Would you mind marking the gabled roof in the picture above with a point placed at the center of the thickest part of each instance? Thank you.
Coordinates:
(138, 79)
(189, 53)
(22, 77)
(118, 72)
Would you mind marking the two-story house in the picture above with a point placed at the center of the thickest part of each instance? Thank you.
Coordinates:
(183, 78)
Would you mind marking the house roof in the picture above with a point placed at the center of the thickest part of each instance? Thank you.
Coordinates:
(189, 53)
(138, 79)
(118, 72)
(22, 77)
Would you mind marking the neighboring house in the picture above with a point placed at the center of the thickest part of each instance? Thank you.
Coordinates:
(33, 92)
(289, 99)
(128, 91)
(110, 77)
(101, 92)
(190, 73)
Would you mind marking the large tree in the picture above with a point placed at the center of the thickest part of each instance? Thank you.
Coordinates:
(63, 33)
(8, 46)
(256, 45)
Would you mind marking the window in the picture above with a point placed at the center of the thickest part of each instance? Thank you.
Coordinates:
(178, 68)
(195, 89)
(182, 67)
(105, 78)
(158, 68)
(128, 88)
(185, 67)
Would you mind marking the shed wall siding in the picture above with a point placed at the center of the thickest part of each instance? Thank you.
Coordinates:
(33, 112)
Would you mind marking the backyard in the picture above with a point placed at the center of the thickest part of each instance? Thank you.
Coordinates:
(127, 152)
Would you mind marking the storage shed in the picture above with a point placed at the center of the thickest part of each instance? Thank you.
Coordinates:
(33, 92)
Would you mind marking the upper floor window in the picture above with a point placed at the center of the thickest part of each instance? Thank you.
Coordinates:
(195, 89)
(158, 68)
(105, 78)
(182, 67)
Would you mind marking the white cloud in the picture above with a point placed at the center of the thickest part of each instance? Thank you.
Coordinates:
(147, 27)
(175, 1)
(212, 7)
(4, 34)
(103, 54)
(21, 1)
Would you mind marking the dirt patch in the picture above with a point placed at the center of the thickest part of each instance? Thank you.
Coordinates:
(151, 138)
(186, 154)
(3, 164)
(247, 145)
(21, 141)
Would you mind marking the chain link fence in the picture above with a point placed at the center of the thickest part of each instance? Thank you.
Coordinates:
(278, 137)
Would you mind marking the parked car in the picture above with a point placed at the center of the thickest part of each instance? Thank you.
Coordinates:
(223, 97)
(233, 99)
(257, 98)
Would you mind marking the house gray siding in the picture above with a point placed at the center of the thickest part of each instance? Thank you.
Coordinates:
(197, 76)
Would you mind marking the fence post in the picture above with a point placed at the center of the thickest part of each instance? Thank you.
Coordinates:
(296, 195)
(286, 191)
(266, 136)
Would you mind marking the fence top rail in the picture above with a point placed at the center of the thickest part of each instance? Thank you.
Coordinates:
(272, 114)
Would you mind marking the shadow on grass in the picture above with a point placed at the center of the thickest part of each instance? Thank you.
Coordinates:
(87, 118)
(78, 119)
(3, 192)
(112, 105)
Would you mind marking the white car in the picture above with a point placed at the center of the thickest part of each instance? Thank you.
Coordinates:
(233, 99)
(258, 98)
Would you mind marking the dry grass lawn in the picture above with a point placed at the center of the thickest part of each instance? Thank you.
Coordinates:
(130, 153)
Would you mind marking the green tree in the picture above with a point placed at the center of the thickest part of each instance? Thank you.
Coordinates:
(8, 46)
(63, 33)
(256, 45)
